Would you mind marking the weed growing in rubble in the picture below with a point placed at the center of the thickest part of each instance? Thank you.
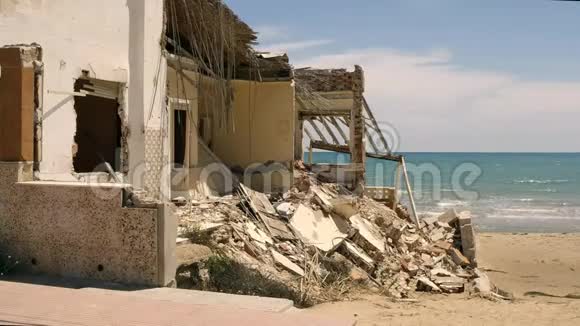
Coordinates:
(229, 276)
(197, 236)
(7, 264)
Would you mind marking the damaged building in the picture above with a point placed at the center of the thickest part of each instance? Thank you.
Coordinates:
(167, 102)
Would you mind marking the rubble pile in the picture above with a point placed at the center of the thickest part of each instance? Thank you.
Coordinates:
(321, 241)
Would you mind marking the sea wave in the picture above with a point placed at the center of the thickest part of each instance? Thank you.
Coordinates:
(533, 217)
(526, 200)
(535, 181)
(547, 190)
(528, 210)
(453, 203)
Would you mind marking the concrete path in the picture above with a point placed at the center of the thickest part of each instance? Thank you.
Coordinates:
(203, 298)
(25, 304)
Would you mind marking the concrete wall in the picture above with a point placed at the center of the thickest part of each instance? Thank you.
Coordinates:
(114, 40)
(74, 230)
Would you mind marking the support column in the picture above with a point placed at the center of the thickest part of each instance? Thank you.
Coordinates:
(357, 131)
(298, 138)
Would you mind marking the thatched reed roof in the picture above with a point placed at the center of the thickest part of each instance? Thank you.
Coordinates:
(211, 32)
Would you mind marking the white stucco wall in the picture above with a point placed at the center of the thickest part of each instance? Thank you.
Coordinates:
(116, 40)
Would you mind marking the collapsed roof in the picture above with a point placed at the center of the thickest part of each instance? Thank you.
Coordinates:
(213, 35)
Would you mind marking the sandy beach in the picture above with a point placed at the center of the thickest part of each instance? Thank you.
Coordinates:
(541, 270)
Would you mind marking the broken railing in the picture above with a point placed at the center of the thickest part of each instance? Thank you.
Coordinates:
(401, 167)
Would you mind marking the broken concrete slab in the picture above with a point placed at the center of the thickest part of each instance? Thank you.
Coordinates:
(345, 207)
(358, 256)
(468, 243)
(206, 226)
(278, 228)
(443, 245)
(265, 211)
(317, 229)
(396, 229)
(261, 239)
(413, 241)
(259, 201)
(437, 235)
(426, 285)
(449, 217)
(440, 272)
(285, 209)
(450, 284)
(411, 268)
(458, 257)
(323, 198)
(286, 263)
(431, 220)
(182, 241)
(369, 232)
(445, 226)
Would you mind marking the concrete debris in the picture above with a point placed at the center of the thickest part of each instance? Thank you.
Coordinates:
(437, 235)
(458, 257)
(426, 285)
(358, 256)
(440, 272)
(449, 217)
(179, 201)
(286, 263)
(317, 233)
(261, 239)
(468, 244)
(285, 209)
(369, 232)
(316, 228)
(483, 286)
(182, 241)
(451, 284)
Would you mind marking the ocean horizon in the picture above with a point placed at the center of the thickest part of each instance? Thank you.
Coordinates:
(505, 191)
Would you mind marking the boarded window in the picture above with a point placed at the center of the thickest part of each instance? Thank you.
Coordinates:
(98, 134)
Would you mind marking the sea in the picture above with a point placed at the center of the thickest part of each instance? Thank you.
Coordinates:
(505, 192)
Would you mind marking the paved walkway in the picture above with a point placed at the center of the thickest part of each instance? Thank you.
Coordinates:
(26, 304)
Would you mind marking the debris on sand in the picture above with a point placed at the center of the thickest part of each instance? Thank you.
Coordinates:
(319, 242)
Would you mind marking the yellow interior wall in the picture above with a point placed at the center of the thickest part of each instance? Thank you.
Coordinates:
(263, 125)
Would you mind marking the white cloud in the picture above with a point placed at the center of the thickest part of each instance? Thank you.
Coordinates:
(439, 106)
(293, 46)
(270, 33)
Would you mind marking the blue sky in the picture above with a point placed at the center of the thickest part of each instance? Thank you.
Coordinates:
(445, 72)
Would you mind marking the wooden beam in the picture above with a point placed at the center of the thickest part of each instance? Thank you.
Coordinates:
(335, 123)
(345, 149)
(309, 134)
(374, 122)
(329, 130)
(324, 113)
(372, 141)
(318, 131)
